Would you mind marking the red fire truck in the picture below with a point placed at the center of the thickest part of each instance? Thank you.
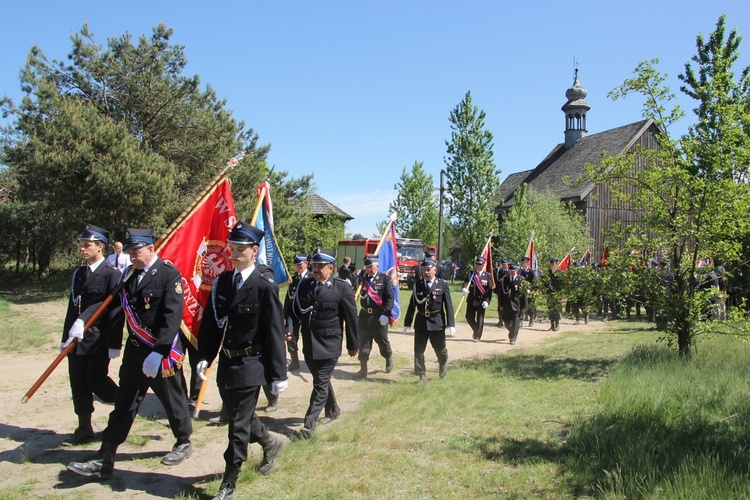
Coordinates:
(410, 253)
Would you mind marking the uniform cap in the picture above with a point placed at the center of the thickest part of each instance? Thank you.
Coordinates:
(480, 260)
(299, 258)
(94, 233)
(324, 257)
(245, 234)
(513, 267)
(137, 238)
(428, 263)
(504, 261)
(524, 259)
(371, 259)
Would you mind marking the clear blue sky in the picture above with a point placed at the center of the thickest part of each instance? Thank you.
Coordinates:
(355, 91)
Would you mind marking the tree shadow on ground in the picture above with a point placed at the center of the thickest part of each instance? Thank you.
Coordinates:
(537, 366)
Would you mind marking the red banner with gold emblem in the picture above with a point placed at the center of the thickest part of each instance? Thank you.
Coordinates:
(198, 248)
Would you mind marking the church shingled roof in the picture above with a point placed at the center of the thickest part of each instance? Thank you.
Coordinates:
(562, 167)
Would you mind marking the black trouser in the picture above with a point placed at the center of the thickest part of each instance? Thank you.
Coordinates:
(475, 319)
(322, 394)
(292, 346)
(512, 323)
(245, 426)
(270, 396)
(89, 373)
(371, 330)
(437, 340)
(133, 388)
(192, 356)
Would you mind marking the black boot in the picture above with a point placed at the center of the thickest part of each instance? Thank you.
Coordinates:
(271, 447)
(389, 364)
(294, 364)
(83, 433)
(362, 373)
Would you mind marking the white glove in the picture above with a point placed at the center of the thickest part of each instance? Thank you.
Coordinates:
(383, 320)
(63, 345)
(485, 305)
(114, 353)
(76, 331)
(152, 364)
(200, 369)
(278, 386)
(406, 330)
(452, 330)
(465, 291)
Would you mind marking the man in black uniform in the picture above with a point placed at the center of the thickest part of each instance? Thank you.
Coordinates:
(88, 362)
(431, 301)
(478, 292)
(510, 293)
(376, 301)
(244, 311)
(529, 296)
(290, 319)
(554, 286)
(324, 305)
(502, 271)
(152, 304)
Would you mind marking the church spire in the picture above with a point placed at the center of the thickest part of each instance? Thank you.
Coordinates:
(575, 112)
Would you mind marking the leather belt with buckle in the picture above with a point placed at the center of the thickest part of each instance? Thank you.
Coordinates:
(428, 313)
(240, 353)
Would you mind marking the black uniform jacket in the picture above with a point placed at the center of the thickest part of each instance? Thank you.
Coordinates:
(383, 287)
(289, 312)
(157, 302)
(476, 297)
(323, 316)
(436, 312)
(107, 330)
(254, 320)
(511, 294)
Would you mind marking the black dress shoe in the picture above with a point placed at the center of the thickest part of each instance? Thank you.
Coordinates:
(271, 408)
(226, 492)
(389, 364)
(178, 454)
(220, 420)
(444, 370)
(423, 379)
(80, 436)
(331, 416)
(92, 468)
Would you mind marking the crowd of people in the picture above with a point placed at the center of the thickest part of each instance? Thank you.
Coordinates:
(250, 330)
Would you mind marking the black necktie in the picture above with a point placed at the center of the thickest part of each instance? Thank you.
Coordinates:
(86, 273)
(428, 284)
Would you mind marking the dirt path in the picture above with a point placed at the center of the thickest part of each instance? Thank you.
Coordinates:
(32, 460)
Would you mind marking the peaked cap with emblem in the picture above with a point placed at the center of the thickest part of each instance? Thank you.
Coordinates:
(324, 256)
(245, 234)
(137, 238)
(371, 259)
(94, 233)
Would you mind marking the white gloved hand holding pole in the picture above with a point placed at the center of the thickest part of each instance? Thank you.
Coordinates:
(152, 364)
(278, 386)
(75, 332)
(383, 320)
(485, 305)
(200, 369)
(113, 353)
(465, 291)
(452, 331)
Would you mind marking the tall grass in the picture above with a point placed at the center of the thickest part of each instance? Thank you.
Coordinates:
(670, 427)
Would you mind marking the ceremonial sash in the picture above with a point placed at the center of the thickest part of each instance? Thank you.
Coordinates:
(171, 361)
(374, 296)
(478, 283)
